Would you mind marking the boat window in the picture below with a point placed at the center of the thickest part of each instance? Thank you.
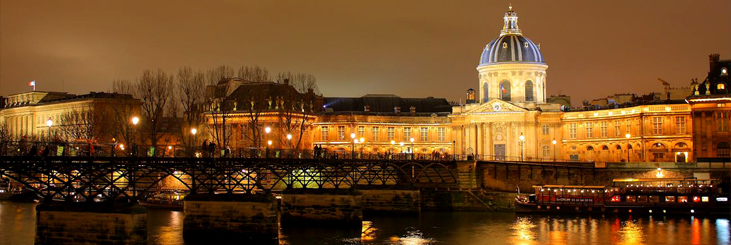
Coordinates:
(670, 199)
(682, 199)
(631, 198)
(641, 198)
(616, 199)
(654, 198)
(696, 199)
(704, 199)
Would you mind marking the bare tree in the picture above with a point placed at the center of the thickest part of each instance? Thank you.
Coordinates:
(86, 124)
(218, 74)
(5, 139)
(191, 95)
(155, 89)
(123, 111)
(298, 104)
(254, 74)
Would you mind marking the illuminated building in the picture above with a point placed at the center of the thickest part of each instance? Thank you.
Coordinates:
(711, 106)
(386, 123)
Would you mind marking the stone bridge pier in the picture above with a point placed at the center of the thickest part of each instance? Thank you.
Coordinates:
(243, 217)
(90, 223)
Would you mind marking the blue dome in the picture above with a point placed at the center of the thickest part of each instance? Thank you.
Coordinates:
(511, 48)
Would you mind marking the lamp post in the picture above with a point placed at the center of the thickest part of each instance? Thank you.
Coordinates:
(412, 148)
(289, 142)
(627, 136)
(393, 142)
(401, 147)
(362, 142)
(267, 130)
(352, 147)
(192, 140)
(49, 123)
(554, 149)
(135, 121)
(522, 141)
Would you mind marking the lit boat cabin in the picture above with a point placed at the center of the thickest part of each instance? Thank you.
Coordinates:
(663, 190)
(569, 194)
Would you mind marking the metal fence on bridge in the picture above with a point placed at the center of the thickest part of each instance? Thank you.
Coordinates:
(112, 178)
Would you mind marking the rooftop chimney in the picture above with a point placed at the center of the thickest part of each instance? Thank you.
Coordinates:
(367, 108)
(397, 109)
(712, 60)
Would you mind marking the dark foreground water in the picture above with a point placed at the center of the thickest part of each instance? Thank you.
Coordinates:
(17, 226)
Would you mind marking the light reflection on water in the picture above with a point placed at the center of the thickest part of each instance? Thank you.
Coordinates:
(17, 226)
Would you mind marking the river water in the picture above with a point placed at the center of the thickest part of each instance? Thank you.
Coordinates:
(17, 227)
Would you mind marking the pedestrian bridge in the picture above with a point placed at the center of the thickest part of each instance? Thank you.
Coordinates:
(110, 178)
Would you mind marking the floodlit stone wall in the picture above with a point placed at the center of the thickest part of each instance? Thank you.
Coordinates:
(65, 227)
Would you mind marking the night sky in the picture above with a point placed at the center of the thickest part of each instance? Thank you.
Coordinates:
(408, 48)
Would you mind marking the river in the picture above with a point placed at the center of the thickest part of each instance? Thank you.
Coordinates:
(17, 227)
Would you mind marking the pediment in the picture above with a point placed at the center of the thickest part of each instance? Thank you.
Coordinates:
(496, 106)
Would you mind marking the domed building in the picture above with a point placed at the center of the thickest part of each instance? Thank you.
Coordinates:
(512, 67)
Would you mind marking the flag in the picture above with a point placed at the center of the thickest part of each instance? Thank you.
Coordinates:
(503, 89)
(33, 84)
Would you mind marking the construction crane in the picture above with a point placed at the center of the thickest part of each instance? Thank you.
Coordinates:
(667, 87)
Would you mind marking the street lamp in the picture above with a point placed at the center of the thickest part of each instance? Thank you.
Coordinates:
(362, 141)
(352, 147)
(49, 123)
(522, 141)
(412, 148)
(554, 149)
(401, 147)
(627, 136)
(135, 121)
(191, 140)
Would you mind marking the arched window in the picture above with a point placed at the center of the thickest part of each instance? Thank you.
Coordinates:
(723, 150)
(505, 91)
(529, 91)
(485, 92)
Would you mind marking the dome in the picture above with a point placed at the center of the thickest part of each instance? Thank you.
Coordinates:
(511, 45)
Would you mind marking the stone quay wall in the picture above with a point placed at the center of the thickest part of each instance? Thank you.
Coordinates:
(79, 224)
(322, 205)
(252, 217)
(391, 201)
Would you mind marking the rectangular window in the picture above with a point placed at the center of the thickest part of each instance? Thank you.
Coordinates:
(657, 125)
(618, 128)
(407, 134)
(682, 198)
(604, 129)
(572, 131)
(546, 151)
(680, 125)
(391, 133)
(361, 131)
(546, 129)
(631, 198)
(589, 130)
(722, 121)
(323, 133)
(628, 126)
(441, 134)
(424, 134)
(375, 133)
(341, 132)
(669, 198)
(641, 198)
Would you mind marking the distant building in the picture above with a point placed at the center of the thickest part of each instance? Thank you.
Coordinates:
(563, 100)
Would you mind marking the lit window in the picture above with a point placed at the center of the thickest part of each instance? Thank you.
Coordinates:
(505, 45)
(361, 131)
(696, 199)
(669, 198)
(341, 132)
(545, 129)
(641, 198)
(617, 128)
(525, 44)
(680, 125)
(589, 129)
(391, 133)
(375, 133)
(657, 125)
(682, 199)
(604, 129)
(424, 134)
(572, 131)
(631, 198)
(407, 134)
(323, 133)
(704, 199)
(441, 133)
(721, 86)
(546, 151)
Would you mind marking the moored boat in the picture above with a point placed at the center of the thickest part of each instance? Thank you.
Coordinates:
(630, 195)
